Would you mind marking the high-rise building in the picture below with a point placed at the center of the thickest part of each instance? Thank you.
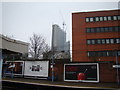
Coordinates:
(59, 38)
(59, 42)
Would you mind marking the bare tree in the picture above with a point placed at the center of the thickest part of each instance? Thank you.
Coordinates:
(38, 45)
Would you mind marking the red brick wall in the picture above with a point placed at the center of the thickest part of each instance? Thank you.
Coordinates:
(107, 72)
(79, 35)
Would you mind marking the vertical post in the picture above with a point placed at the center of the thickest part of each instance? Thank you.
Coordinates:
(52, 53)
(117, 72)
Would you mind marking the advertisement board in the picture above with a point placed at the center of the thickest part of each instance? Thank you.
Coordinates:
(36, 68)
(14, 67)
(81, 72)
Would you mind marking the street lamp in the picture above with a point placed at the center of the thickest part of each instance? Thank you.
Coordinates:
(117, 72)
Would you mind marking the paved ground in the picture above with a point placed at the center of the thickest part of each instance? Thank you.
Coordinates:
(64, 84)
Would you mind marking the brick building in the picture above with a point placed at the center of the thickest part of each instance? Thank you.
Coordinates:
(96, 38)
(96, 34)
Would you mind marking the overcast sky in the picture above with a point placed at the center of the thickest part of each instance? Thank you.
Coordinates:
(22, 19)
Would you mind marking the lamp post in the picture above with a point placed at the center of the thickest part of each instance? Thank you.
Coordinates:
(52, 53)
(117, 72)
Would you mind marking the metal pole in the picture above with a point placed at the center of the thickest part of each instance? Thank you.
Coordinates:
(117, 72)
(52, 53)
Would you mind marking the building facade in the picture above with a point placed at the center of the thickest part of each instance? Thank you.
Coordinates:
(11, 47)
(59, 38)
(96, 36)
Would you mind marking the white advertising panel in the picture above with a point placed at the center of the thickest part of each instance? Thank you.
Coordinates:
(36, 68)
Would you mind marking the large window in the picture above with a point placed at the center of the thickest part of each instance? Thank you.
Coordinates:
(102, 53)
(104, 41)
(103, 29)
(102, 18)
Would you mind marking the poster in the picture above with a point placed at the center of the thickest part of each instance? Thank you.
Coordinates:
(81, 72)
(36, 68)
(13, 67)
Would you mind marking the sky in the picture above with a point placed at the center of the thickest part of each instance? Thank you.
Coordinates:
(19, 20)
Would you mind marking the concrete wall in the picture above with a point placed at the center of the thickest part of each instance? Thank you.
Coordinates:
(13, 45)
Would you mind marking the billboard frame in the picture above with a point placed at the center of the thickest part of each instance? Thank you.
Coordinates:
(8, 74)
(83, 80)
(27, 75)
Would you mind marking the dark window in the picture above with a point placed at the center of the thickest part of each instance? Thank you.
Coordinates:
(106, 29)
(118, 53)
(116, 29)
(110, 29)
(97, 29)
(111, 53)
(98, 41)
(102, 29)
(88, 30)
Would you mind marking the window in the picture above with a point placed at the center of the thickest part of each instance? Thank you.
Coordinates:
(102, 29)
(103, 41)
(98, 41)
(101, 18)
(114, 17)
(92, 30)
(118, 17)
(93, 41)
(111, 41)
(97, 29)
(111, 53)
(109, 18)
(117, 40)
(88, 30)
(91, 19)
(110, 29)
(118, 53)
(106, 29)
(116, 29)
(88, 41)
(87, 19)
(105, 18)
(96, 18)
(107, 41)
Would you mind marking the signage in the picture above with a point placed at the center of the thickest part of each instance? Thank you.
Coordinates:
(13, 67)
(36, 68)
(81, 72)
(116, 66)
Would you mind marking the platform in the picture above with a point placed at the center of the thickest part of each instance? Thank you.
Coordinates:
(108, 86)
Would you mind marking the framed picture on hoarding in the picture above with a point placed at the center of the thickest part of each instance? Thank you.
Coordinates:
(14, 67)
(36, 68)
(81, 72)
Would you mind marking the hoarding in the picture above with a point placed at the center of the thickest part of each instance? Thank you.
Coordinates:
(81, 72)
(36, 68)
(13, 67)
